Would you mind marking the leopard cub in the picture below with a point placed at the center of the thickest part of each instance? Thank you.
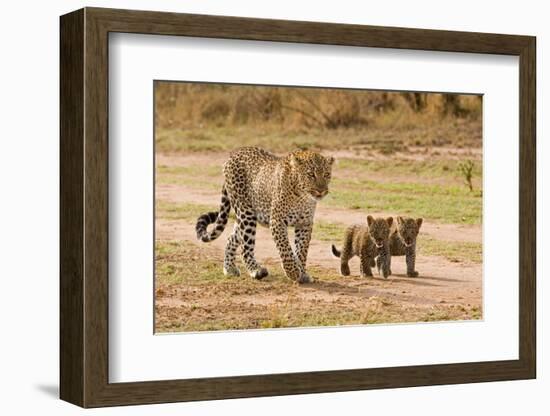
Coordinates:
(366, 241)
(403, 243)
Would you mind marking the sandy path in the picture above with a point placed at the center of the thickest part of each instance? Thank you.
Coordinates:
(441, 281)
(413, 153)
(448, 232)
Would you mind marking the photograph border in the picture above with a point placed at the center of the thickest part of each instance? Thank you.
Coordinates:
(241, 84)
(84, 214)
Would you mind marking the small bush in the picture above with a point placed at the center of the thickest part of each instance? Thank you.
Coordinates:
(466, 170)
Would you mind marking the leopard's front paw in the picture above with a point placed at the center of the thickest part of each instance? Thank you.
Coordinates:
(231, 271)
(412, 274)
(344, 270)
(305, 278)
(260, 273)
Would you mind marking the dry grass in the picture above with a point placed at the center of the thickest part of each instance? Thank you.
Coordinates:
(390, 140)
(195, 296)
(189, 105)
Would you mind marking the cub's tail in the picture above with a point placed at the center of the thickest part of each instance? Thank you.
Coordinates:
(219, 218)
(335, 251)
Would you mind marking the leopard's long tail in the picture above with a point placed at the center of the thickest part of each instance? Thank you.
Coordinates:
(218, 218)
(335, 251)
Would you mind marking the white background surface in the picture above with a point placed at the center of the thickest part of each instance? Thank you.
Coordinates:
(29, 220)
(136, 355)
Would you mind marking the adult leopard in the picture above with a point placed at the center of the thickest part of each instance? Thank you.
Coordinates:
(278, 192)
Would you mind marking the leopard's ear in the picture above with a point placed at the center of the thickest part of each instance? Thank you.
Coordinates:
(389, 220)
(330, 160)
(419, 222)
(400, 220)
(370, 220)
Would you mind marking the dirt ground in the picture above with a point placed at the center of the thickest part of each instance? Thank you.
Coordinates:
(445, 290)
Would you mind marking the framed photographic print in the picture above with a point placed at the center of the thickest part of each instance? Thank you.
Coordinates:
(255, 207)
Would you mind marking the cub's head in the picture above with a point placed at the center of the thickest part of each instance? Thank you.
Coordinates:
(313, 172)
(408, 229)
(379, 229)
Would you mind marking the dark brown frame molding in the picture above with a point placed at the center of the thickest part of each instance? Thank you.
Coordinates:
(84, 207)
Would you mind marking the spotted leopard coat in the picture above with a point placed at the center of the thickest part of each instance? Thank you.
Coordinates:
(278, 192)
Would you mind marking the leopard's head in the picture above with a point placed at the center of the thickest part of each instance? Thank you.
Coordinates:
(313, 172)
(379, 229)
(408, 229)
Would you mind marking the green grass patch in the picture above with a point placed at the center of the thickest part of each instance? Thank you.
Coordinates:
(212, 171)
(179, 262)
(184, 210)
(181, 211)
(455, 251)
(328, 231)
(448, 204)
(443, 169)
(197, 176)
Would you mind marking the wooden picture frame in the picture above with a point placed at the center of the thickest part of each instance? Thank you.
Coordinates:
(84, 207)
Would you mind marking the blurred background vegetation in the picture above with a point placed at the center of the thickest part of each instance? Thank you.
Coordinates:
(205, 117)
(184, 105)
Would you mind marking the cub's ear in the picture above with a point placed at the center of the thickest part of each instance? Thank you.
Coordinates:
(389, 220)
(370, 220)
(400, 220)
(419, 222)
(330, 160)
(295, 161)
